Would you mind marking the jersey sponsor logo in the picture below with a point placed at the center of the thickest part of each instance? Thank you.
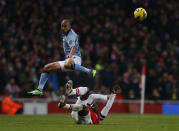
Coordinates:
(70, 42)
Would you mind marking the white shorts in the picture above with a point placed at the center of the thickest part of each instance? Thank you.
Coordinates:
(81, 119)
(76, 59)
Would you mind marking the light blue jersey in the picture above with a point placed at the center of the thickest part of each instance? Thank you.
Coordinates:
(69, 40)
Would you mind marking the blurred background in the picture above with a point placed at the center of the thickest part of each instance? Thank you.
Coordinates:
(110, 41)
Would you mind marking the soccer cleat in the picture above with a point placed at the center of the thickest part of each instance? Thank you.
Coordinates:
(93, 73)
(36, 92)
(61, 103)
(69, 87)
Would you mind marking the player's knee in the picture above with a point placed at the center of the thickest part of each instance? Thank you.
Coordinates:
(68, 65)
(46, 68)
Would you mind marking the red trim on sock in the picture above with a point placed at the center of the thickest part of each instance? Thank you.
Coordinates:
(78, 91)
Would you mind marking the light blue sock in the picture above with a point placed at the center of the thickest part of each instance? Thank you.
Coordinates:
(81, 68)
(42, 81)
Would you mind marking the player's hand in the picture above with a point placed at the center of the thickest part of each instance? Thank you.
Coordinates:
(68, 57)
(116, 89)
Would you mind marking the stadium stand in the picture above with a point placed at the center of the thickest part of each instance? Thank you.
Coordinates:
(110, 41)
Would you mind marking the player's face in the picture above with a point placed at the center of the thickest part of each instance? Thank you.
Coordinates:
(65, 26)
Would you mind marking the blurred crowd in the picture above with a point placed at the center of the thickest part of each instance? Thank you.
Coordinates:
(111, 41)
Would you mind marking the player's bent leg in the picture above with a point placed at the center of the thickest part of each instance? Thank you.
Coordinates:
(68, 64)
(44, 77)
(84, 69)
(74, 63)
(55, 66)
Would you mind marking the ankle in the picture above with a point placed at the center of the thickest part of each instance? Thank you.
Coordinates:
(39, 89)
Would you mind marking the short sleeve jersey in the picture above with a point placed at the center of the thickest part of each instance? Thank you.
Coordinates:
(69, 40)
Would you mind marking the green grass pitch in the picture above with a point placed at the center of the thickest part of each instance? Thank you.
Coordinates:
(113, 122)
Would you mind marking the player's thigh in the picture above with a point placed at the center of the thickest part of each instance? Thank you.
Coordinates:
(77, 60)
(69, 61)
(54, 66)
(62, 65)
(73, 60)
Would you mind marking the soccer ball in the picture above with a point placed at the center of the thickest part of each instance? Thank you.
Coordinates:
(140, 14)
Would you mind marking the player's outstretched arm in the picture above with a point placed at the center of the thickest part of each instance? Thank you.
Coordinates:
(108, 106)
(100, 97)
(73, 49)
(110, 102)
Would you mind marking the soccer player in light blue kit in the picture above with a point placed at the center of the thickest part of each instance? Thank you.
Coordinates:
(72, 61)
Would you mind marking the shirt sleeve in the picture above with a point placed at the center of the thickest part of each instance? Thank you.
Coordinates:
(94, 97)
(71, 40)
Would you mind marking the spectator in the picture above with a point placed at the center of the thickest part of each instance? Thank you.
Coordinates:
(172, 89)
(155, 95)
(12, 88)
(131, 95)
(119, 95)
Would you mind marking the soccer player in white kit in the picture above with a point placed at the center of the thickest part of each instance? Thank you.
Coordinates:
(84, 111)
(72, 61)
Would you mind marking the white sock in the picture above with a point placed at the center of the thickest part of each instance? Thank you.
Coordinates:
(79, 91)
(76, 107)
(67, 106)
(73, 107)
(108, 105)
